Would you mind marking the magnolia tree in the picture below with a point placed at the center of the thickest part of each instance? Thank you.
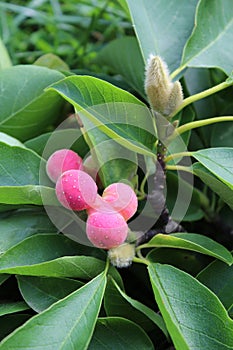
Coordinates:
(116, 221)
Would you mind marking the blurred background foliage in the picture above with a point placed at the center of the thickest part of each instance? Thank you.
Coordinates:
(73, 30)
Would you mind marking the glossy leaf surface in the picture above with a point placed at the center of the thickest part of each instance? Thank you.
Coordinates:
(192, 241)
(194, 316)
(77, 314)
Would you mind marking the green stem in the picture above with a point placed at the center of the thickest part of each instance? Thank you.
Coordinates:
(198, 123)
(179, 168)
(142, 187)
(143, 246)
(107, 266)
(200, 96)
(177, 71)
(141, 261)
(178, 155)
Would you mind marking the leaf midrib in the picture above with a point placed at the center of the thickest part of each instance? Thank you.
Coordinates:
(83, 312)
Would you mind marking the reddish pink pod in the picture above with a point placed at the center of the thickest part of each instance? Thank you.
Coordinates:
(76, 190)
(106, 230)
(61, 161)
(122, 198)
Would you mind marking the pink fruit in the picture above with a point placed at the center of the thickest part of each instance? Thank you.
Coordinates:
(106, 230)
(61, 161)
(76, 190)
(122, 198)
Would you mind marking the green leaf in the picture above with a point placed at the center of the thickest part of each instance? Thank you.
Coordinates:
(194, 316)
(222, 134)
(9, 140)
(46, 144)
(21, 173)
(35, 195)
(42, 292)
(20, 225)
(51, 61)
(19, 166)
(26, 109)
(209, 44)
(118, 303)
(214, 183)
(69, 266)
(219, 162)
(119, 333)
(162, 27)
(5, 61)
(194, 242)
(118, 114)
(114, 274)
(219, 278)
(123, 56)
(38, 143)
(176, 186)
(12, 307)
(200, 79)
(50, 255)
(197, 80)
(39, 248)
(77, 315)
(219, 134)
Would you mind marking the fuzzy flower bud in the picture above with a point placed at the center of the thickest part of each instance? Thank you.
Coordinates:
(164, 95)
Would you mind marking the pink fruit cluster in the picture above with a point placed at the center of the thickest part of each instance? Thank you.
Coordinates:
(106, 225)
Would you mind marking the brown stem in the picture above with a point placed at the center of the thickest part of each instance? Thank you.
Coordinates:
(164, 224)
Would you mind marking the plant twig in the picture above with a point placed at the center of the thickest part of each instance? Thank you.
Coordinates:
(179, 168)
(198, 123)
(164, 224)
(178, 155)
